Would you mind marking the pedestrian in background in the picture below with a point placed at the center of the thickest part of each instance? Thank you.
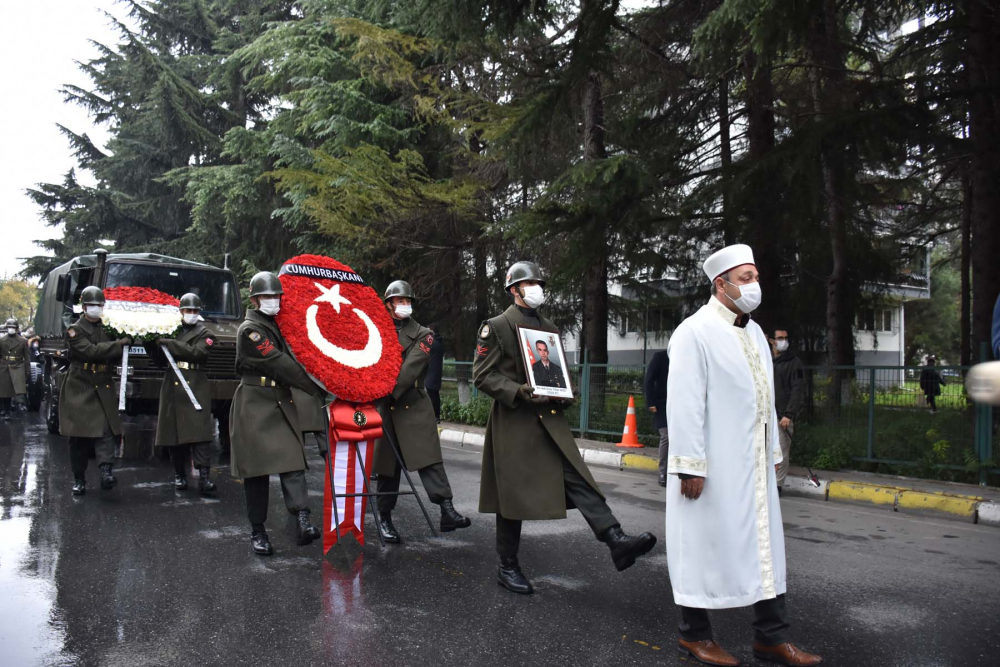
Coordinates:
(15, 367)
(655, 387)
(930, 383)
(789, 397)
(435, 368)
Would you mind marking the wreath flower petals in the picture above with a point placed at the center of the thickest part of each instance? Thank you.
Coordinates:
(141, 313)
(339, 331)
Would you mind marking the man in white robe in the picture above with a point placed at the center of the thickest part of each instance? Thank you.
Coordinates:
(725, 544)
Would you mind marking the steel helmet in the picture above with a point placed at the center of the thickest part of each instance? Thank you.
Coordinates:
(398, 288)
(523, 271)
(92, 296)
(12, 322)
(191, 301)
(265, 283)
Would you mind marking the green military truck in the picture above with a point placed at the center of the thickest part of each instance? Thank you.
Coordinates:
(60, 306)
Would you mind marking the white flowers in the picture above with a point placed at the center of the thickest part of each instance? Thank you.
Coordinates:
(141, 321)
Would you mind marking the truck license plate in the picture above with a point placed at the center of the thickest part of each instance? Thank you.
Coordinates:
(136, 350)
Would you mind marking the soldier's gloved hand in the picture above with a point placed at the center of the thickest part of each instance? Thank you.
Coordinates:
(524, 392)
(565, 402)
(125, 341)
(540, 400)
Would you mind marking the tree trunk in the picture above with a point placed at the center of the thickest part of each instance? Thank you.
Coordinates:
(966, 297)
(595, 279)
(726, 161)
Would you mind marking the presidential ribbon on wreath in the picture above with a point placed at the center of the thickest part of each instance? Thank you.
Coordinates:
(339, 330)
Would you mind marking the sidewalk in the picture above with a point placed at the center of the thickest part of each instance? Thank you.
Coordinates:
(963, 502)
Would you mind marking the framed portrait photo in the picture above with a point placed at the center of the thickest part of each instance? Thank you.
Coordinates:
(545, 362)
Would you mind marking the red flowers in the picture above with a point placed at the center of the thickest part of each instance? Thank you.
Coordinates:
(141, 295)
(338, 328)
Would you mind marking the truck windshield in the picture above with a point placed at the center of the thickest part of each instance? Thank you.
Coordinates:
(217, 289)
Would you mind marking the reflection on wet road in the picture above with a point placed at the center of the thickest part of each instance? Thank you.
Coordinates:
(144, 575)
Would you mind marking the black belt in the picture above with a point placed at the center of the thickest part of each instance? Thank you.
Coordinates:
(93, 368)
(12, 358)
(259, 381)
(188, 366)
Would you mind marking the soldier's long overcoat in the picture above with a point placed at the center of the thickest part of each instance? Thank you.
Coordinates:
(87, 399)
(407, 413)
(13, 365)
(264, 422)
(179, 423)
(522, 473)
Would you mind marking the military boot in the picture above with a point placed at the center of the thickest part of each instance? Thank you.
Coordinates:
(512, 578)
(450, 518)
(625, 549)
(108, 480)
(180, 481)
(79, 485)
(260, 544)
(206, 486)
(389, 532)
(307, 531)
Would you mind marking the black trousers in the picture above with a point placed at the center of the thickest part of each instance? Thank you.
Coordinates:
(433, 477)
(256, 490)
(180, 454)
(932, 401)
(435, 397)
(770, 622)
(593, 508)
(82, 449)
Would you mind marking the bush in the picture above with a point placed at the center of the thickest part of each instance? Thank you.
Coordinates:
(474, 413)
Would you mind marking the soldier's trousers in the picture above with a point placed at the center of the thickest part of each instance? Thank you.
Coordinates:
(81, 449)
(591, 505)
(180, 454)
(256, 489)
(433, 477)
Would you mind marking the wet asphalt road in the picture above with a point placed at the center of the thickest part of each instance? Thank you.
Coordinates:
(144, 575)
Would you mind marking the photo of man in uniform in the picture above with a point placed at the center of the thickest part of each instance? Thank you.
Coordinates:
(546, 372)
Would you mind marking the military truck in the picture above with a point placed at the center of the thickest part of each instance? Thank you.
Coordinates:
(60, 306)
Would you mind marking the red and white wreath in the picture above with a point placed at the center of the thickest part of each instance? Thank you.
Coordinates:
(141, 313)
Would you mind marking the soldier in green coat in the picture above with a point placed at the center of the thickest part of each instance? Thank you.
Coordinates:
(180, 427)
(532, 468)
(88, 407)
(14, 366)
(264, 422)
(408, 418)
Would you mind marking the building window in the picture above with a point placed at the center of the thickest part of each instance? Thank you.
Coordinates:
(653, 321)
(875, 319)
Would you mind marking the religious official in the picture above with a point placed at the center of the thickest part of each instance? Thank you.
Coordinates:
(408, 418)
(532, 468)
(264, 422)
(725, 544)
(14, 367)
(88, 407)
(180, 427)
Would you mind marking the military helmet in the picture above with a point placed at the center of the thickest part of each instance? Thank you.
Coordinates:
(265, 283)
(12, 322)
(398, 288)
(523, 271)
(92, 296)
(191, 301)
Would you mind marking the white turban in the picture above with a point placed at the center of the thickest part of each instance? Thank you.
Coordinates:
(728, 258)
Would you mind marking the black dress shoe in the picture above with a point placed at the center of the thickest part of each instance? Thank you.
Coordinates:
(108, 480)
(79, 486)
(389, 533)
(451, 519)
(260, 544)
(662, 481)
(180, 482)
(307, 531)
(625, 549)
(512, 578)
(206, 486)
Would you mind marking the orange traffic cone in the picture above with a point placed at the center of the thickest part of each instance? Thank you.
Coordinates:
(629, 436)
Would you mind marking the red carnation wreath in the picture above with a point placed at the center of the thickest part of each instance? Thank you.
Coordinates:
(141, 313)
(140, 295)
(338, 328)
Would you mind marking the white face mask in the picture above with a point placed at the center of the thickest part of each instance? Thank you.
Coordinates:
(191, 319)
(270, 306)
(749, 299)
(11, 331)
(533, 296)
(781, 345)
(94, 312)
(402, 312)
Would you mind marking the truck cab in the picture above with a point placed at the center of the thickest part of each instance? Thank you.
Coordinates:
(59, 307)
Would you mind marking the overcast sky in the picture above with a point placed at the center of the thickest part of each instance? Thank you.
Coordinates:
(39, 42)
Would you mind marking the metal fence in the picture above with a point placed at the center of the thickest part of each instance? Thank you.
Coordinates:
(883, 420)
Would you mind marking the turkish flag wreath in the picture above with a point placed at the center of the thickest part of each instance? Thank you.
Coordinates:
(339, 330)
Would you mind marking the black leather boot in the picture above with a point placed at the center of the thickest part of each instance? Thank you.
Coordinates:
(206, 486)
(662, 481)
(307, 531)
(625, 549)
(79, 485)
(180, 482)
(450, 518)
(108, 480)
(512, 578)
(389, 533)
(260, 544)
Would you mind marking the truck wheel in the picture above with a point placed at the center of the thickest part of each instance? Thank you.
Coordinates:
(51, 403)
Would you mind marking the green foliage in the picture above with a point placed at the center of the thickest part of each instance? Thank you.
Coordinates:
(474, 413)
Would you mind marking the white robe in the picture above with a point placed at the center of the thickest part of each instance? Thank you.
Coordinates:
(727, 548)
